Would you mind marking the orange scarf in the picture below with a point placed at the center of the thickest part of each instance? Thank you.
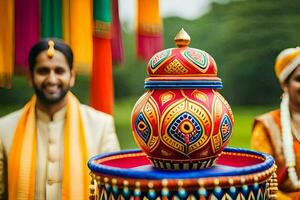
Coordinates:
(22, 157)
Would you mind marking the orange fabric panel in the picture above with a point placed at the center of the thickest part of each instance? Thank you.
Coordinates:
(101, 89)
(81, 34)
(66, 20)
(6, 42)
(148, 12)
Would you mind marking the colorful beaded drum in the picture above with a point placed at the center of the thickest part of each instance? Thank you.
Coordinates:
(238, 174)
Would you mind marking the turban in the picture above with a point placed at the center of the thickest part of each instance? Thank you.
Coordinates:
(286, 63)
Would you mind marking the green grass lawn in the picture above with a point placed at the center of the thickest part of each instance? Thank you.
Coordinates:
(122, 112)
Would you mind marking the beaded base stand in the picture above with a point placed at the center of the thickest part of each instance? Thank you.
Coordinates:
(238, 174)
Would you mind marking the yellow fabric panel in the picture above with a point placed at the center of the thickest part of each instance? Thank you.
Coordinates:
(81, 34)
(66, 20)
(6, 42)
(148, 12)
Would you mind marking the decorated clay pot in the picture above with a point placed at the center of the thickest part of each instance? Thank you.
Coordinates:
(182, 121)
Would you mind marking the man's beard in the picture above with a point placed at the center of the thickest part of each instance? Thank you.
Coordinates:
(53, 100)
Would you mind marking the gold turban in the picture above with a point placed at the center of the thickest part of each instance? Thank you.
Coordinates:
(286, 63)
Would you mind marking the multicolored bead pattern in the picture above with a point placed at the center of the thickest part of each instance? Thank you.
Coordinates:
(258, 181)
(255, 192)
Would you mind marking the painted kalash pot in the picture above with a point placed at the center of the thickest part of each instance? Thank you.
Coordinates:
(182, 125)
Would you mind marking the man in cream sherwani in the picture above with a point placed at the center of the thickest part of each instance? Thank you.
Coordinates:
(45, 146)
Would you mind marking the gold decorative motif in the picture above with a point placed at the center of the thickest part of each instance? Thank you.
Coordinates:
(50, 52)
(200, 182)
(152, 142)
(114, 181)
(225, 103)
(180, 183)
(150, 29)
(217, 142)
(216, 182)
(218, 108)
(102, 29)
(176, 67)
(230, 181)
(272, 185)
(186, 127)
(200, 95)
(182, 39)
(167, 96)
(164, 182)
(243, 180)
(93, 189)
(150, 110)
(125, 183)
(150, 185)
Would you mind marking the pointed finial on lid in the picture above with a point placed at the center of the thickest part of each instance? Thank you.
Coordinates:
(182, 39)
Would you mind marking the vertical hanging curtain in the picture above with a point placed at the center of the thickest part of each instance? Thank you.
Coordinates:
(51, 18)
(27, 30)
(101, 85)
(66, 20)
(149, 28)
(6, 42)
(116, 40)
(81, 34)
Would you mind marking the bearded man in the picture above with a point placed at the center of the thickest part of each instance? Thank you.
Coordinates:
(45, 146)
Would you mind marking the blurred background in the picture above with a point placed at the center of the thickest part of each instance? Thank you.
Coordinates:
(243, 36)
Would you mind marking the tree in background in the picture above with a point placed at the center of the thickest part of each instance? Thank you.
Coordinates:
(244, 37)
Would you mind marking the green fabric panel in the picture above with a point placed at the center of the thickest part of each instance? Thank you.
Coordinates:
(102, 10)
(45, 18)
(57, 19)
(51, 18)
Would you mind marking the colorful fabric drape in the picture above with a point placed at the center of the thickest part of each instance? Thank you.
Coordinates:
(101, 85)
(66, 20)
(80, 34)
(51, 18)
(6, 42)
(22, 157)
(149, 28)
(27, 30)
(116, 41)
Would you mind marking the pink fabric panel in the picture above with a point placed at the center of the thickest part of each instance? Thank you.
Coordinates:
(27, 29)
(148, 46)
(116, 42)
